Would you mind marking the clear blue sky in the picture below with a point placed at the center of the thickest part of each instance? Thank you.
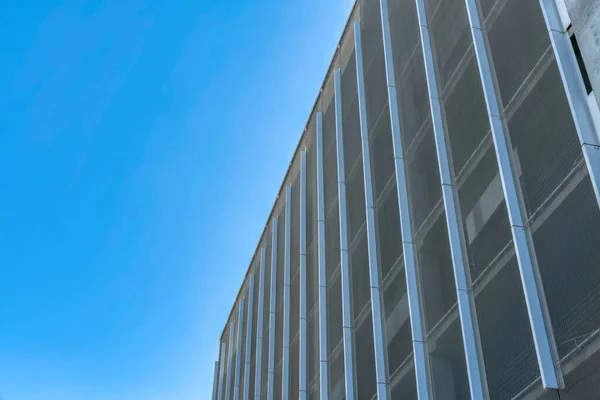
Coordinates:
(142, 145)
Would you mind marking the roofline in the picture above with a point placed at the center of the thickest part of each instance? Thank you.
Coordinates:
(296, 151)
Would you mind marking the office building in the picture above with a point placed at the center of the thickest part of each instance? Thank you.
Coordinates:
(437, 234)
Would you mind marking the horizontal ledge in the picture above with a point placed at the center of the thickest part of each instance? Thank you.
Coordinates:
(595, 146)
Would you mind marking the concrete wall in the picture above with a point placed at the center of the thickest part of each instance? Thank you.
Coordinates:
(585, 17)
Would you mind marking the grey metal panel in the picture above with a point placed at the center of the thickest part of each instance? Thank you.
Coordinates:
(534, 296)
(323, 353)
(248, 352)
(415, 295)
(378, 331)
(215, 381)
(259, 323)
(229, 360)
(285, 381)
(344, 258)
(469, 329)
(272, 311)
(575, 91)
(238, 353)
(222, 371)
(303, 348)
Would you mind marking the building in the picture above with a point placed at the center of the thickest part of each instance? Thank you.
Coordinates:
(437, 234)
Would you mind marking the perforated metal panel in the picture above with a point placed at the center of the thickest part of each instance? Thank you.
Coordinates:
(389, 237)
(382, 154)
(370, 24)
(544, 139)
(294, 370)
(334, 309)
(365, 360)
(336, 376)
(466, 117)
(406, 388)
(359, 271)
(486, 6)
(583, 381)
(567, 244)
(397, 322)
(508, 351)
(425, 187)
(312, 276)
(313, 351)
(375, 88)
(448, 367)
(412, 95)
(404, 29)
(437, 277)
(485, 218)
(332, 240)
(355, 197)
(450, 36)
(516, 31)
(330, 170)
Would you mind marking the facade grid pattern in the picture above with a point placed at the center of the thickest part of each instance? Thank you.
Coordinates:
(437, 234)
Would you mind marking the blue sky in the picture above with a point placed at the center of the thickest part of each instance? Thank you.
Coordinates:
(142, 146)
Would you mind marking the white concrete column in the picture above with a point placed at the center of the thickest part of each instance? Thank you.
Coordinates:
(534, 294)
(248, 344)
(303, 346)
(468, 316)
(323, 354)
(272, 310)
(229, 361)
(221, 371)
(215, 381)
(259, 323)
(238, 353)
(378, 331)
(285, 363)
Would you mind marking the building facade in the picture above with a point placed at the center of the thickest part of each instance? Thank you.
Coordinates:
(437, 234)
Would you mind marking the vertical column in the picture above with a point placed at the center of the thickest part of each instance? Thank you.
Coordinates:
(323, 354)
(221, 371)
(285, 368)
(303, 348)
(238, 353)
(344, 259)
(259, 323)
(413, 288)
(272, 311)
(468, 318)
(229, 360)
(248, 351)
(534, 295)
(378, 332)
(574, 89)
(215, 381)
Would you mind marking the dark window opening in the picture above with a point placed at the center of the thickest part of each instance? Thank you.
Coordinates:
(581, 64)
